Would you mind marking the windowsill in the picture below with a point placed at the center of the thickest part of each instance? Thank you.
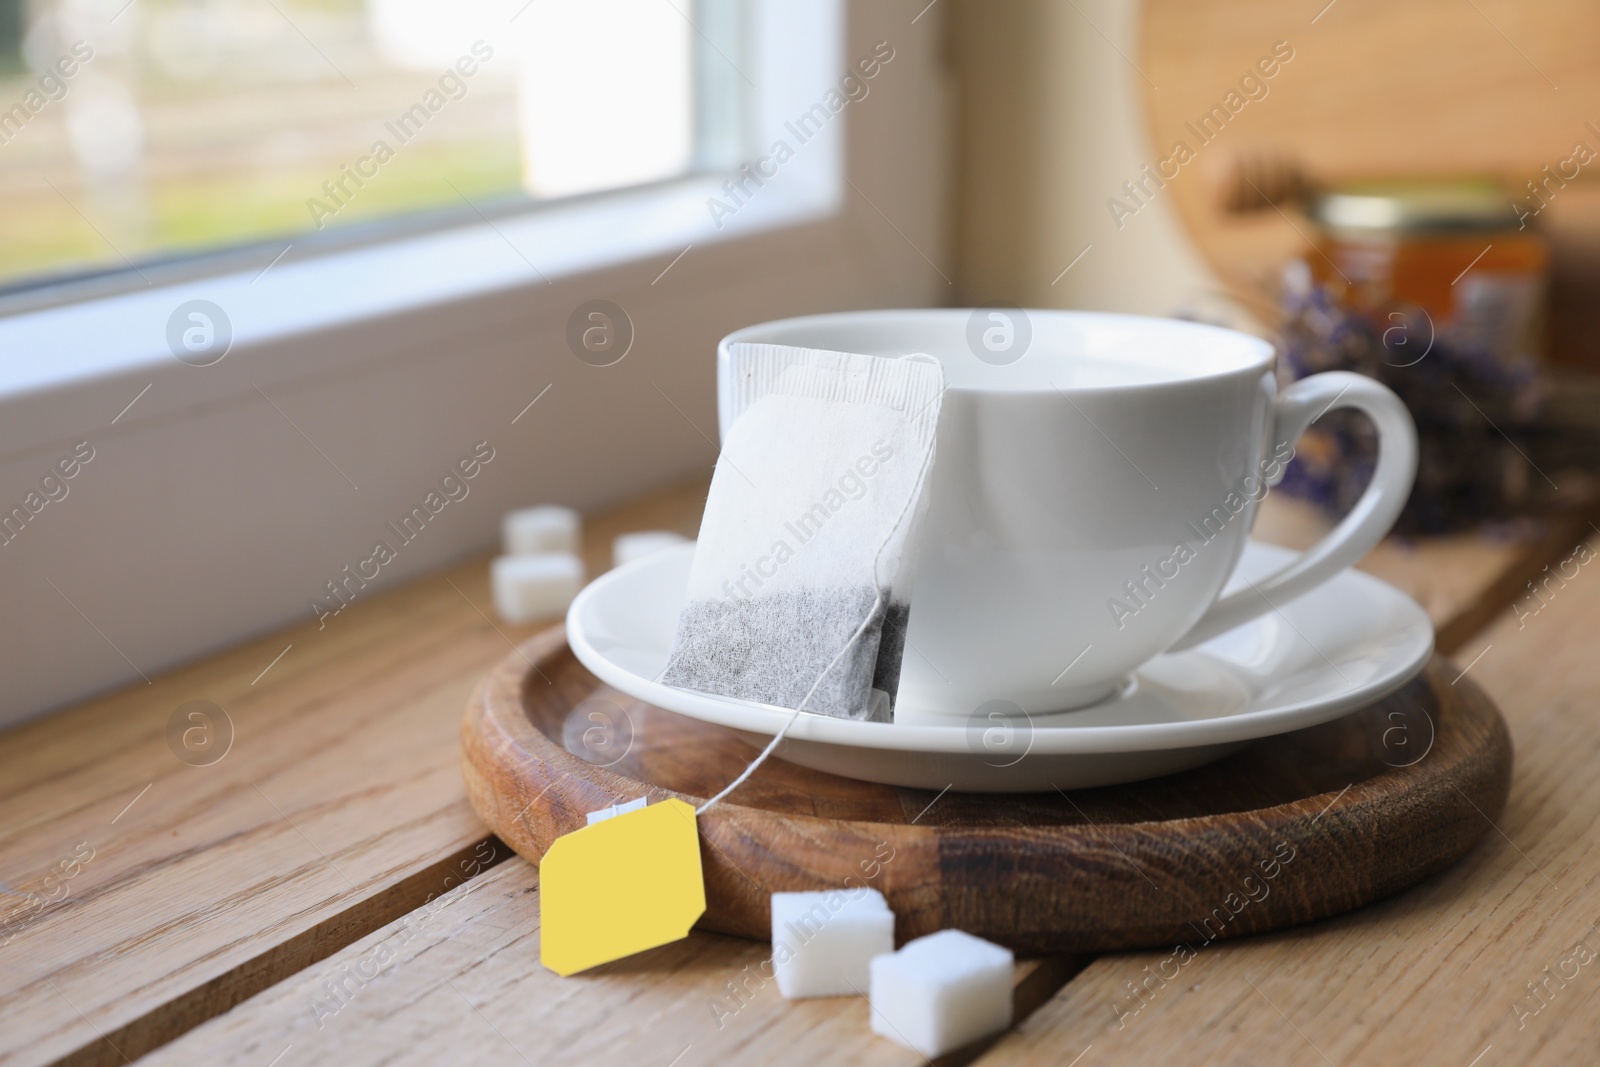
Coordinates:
(60, 346)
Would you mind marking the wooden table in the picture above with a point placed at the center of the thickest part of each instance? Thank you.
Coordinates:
(323, 894)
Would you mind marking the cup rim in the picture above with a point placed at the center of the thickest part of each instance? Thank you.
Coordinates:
(1264, 352)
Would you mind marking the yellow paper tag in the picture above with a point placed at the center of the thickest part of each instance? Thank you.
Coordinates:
(620, 886)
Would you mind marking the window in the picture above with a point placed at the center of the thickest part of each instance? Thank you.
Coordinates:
(136, 130)
(220, 506)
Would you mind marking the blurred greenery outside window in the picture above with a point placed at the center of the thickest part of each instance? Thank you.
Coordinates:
(140, 130)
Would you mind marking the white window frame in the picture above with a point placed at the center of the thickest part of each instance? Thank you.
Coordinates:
(222, 498)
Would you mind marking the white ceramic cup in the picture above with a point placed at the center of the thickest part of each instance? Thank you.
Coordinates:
(1094, 485)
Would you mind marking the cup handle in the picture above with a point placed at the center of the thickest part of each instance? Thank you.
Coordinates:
(1296, 408)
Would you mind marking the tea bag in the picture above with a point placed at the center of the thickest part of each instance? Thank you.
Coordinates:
(799, 590)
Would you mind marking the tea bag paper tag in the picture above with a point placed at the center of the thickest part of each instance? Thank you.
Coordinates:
(620, 886)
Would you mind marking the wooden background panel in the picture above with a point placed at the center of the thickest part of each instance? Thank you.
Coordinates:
(338, 808)
(1427, 86)
(1434, 976)
(1375, 88)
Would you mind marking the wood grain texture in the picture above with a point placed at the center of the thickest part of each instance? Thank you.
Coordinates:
(200, 893)
(1096, 870)
(1463, 580)
(1435, 976)
(337, 809)
(462, 983)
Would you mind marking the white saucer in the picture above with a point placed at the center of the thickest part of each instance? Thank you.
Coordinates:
(1340, 647)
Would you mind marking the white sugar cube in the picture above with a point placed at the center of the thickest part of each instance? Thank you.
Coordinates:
(941, 992)
(631, 546)
(541, 529)
(823, 943)
(536, 586)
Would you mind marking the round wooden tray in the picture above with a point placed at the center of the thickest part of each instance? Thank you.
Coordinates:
(1287, 830)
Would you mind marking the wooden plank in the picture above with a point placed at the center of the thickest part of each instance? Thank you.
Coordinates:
(1462, 581)
(1551, 542)
(461, 983)
(338, 808)
(142, 894)
(469, 984)
(1478, 962)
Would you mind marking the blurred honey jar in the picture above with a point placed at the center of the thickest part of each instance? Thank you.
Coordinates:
(1455, 251)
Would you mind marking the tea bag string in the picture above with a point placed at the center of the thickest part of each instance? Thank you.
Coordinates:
(877, 603)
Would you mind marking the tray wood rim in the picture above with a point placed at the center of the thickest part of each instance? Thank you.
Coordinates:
(553, 789)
